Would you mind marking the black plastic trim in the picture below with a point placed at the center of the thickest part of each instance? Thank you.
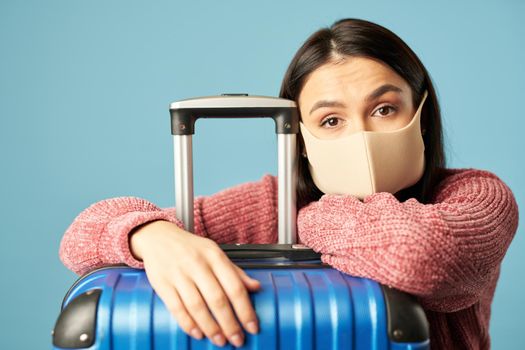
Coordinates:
(282, 265)
(75, 327)
(286, 118)
(267, 251)
(406, 319)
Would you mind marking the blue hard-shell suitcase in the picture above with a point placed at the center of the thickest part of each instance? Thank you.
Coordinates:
(303, 304)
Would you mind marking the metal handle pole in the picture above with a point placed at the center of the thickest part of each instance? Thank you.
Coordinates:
(287, 233)
(183, 159)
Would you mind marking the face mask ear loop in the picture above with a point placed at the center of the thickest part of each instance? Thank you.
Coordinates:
(423, 100)
(301, 144)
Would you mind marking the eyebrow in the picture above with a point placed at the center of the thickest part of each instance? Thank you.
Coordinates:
(383, 89)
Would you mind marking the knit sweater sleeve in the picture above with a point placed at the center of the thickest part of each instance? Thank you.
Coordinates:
(99, 235)
(445, 253)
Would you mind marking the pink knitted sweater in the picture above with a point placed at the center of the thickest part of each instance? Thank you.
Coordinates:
(447, 253)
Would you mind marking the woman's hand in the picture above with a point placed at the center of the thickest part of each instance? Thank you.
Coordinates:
(193, 276)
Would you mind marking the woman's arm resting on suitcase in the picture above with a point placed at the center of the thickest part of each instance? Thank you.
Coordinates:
(246, 213)
(444, 253)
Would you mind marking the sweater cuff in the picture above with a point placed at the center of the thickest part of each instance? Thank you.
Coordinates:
(116, 237)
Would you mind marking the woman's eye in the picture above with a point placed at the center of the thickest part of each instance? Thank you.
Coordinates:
(330, 122)
(384, 111)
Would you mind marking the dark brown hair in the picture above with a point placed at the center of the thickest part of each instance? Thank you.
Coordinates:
(355, 37)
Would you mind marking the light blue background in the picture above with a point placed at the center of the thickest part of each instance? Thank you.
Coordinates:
(84, 94)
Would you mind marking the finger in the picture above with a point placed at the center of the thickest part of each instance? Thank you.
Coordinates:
(250, 283)
(174, 304)
(228, 275)
(217, 300)
(198, 309)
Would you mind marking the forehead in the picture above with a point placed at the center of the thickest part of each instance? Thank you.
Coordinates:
(352, 77)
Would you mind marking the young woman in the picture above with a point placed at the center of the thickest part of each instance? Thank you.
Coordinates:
(374, 197)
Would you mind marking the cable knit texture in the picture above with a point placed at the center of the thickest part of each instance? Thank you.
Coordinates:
(447, 253)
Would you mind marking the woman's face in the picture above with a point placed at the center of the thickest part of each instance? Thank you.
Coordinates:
(354, 94)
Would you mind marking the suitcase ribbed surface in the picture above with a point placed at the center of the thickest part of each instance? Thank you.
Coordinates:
(310, 308)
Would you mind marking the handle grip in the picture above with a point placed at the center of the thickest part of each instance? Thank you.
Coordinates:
(185, 113)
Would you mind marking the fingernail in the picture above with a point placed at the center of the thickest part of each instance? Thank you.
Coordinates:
(195, 333)
(252, 327)
(218, 340)
(236, 340)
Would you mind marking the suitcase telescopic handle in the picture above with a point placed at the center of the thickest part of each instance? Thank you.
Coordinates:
(284, 112)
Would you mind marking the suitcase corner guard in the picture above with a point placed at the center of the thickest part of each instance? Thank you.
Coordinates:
(406, 319)
(76, 326)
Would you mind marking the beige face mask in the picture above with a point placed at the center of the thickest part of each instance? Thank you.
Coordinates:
(368, 162)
